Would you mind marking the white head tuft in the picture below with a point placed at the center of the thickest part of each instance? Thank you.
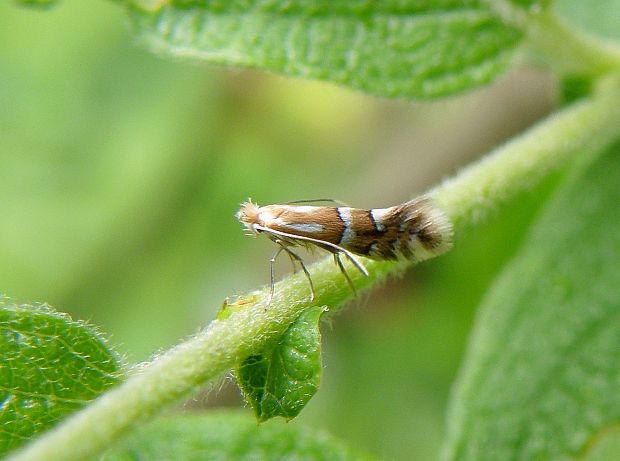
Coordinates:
(248, 214)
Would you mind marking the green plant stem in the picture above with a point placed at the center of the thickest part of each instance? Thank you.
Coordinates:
(467, 198)
(568, 51)
(520, 164)
(559, 45)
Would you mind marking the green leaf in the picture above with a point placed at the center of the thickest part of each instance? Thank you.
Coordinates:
(229, 436)
(604, 448)
(541, 376)
(281, 380)
(50, 366)
(37, 3)
(420, 49)
(532, 4)
(598, 17)
(574, 87)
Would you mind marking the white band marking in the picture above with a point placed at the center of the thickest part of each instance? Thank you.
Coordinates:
(349, 233)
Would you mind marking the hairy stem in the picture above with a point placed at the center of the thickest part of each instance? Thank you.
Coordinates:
(569, 51)
(467, 198)
(520, 164)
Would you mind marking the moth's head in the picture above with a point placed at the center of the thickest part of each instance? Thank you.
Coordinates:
(248, 215)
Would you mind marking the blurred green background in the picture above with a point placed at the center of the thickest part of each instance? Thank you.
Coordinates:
(121, 171)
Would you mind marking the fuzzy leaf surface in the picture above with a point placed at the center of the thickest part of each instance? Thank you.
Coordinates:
(50, 366)
(281, 380)
(422, 49)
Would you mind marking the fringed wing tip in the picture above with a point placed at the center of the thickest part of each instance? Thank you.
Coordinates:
(436, 232)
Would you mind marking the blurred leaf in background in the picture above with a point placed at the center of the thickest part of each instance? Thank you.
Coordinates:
(230, 436)
(121, 173)
(598, 17)
(540, 374)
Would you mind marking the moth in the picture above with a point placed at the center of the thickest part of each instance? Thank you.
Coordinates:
(414, 230)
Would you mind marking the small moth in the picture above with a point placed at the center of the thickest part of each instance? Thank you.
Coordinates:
(415, 230)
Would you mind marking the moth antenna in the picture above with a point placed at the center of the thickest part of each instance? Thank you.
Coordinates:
(329, 200)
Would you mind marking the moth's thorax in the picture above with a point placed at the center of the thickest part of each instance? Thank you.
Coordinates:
(271, 215)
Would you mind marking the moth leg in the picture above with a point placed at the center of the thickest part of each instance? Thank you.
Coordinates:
(295, 268)
(297, 258)
(338, 261)
(272, 272)
(283, 244)
(341, 251)
(356, 262)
